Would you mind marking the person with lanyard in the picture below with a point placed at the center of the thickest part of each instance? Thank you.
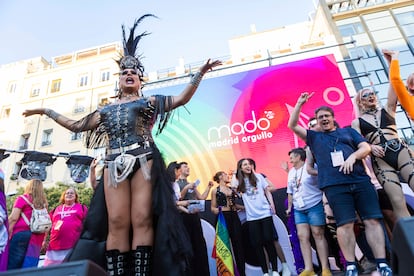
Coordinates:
(67, 221)
(142, 221)
(342, 177)
(306, 198)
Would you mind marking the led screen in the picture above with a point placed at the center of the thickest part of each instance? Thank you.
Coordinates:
(246, 115)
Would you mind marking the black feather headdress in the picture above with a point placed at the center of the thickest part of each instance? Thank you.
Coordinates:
(130, 60)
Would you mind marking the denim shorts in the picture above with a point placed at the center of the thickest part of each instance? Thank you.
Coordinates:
(347, 199)
(312, 216)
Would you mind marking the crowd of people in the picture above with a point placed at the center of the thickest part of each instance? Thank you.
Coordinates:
(152, 211)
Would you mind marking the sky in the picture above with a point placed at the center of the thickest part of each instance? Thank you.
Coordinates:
(192, 30)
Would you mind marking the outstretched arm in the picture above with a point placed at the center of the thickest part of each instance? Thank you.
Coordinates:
(294, 116)
(404, 97)
(204, 195)
(185, 96)
(391, 105)
(87, 123)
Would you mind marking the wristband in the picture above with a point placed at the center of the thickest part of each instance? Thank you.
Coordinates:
(196, 79)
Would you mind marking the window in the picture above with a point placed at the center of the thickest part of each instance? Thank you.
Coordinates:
(103, 101)
(104, 75)
(12, 87)
(24, 141)
(406, 18)
(79, 106)
(35, 90)
(75, 136)
(363, 51)
(47, 137)
(83, 80)
(55, 85)
(351, 29)
(16, 171)
(5, 114)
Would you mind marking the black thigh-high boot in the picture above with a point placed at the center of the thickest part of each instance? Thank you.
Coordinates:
(142, 261)
(116, 262)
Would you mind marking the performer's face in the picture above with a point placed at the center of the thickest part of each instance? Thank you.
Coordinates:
(368, 98)
(129, 79)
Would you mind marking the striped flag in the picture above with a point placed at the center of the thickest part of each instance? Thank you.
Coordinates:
(222, 249)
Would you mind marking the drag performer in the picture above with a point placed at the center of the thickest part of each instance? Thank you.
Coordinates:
(143, 222)
(390, 155)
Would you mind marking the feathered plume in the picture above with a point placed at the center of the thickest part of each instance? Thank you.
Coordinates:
(131, 57)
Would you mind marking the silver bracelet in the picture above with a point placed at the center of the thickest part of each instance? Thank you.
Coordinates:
(196, 79)
(51, 114)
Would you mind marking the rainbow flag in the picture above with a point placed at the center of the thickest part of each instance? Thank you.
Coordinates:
(222, 249)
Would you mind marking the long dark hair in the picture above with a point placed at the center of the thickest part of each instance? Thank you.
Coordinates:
(240, 176)
(171, 168)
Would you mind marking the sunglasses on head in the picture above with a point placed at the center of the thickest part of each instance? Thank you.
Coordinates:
(312, 124)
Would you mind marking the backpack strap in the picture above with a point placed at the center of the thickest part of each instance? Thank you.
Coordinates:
(28, 202)
(22, 214)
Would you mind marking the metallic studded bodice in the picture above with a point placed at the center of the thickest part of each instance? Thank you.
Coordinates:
(128, 123)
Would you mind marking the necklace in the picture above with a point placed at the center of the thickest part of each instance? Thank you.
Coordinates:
(66, 213)
(298, 180)
(373, 113)
(129, 96)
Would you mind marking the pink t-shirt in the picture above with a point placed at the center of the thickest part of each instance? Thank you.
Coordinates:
(67, 225)
(26, 209)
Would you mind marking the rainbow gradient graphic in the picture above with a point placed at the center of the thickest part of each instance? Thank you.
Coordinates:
(246, 115)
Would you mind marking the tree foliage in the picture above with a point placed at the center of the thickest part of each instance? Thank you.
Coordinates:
(53, 195)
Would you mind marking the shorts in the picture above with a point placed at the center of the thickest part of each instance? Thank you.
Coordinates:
(313, 216)
(347, 199)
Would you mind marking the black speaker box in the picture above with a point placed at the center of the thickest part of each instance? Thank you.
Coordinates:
(403, 247)
(79, 268)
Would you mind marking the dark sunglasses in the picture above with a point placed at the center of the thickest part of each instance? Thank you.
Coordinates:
(366, 95)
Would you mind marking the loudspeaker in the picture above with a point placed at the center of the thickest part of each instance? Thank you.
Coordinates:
(403, 247)
(79, 268)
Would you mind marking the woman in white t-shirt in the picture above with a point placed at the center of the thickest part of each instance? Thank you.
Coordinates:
(259, 206)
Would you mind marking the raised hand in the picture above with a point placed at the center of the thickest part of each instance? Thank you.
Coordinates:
(304, 97)
(209, 65)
